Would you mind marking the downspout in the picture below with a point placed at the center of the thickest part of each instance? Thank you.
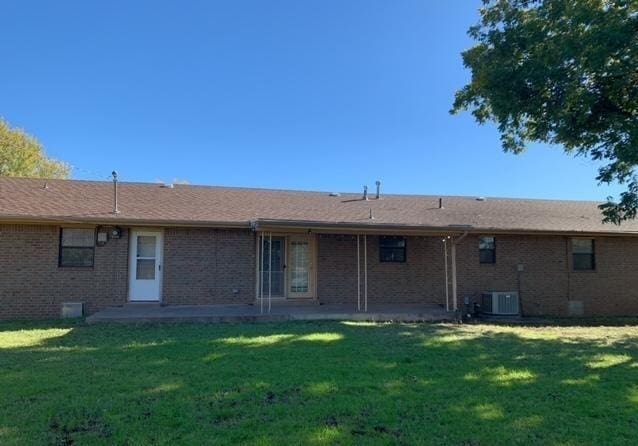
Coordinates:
(455, 305)
(365, 273)
(569, 275)
(257, 265)
(269, 271)
(358, 273)
(447, 277)
(261, 277)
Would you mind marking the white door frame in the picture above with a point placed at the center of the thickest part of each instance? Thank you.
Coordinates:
(149, 293)
(311, 238)
(312, 263)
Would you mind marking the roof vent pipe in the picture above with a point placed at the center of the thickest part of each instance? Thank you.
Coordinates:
(115, 208)
(365, 192)
(378, 183)
(440, 203)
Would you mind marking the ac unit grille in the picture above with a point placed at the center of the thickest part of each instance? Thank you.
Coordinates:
(500, 303)
(486, 303)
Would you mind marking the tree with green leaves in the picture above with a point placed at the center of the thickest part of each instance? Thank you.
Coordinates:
(21, 155)
(561, 72)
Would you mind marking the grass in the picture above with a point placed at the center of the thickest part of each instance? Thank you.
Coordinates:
(317, 383)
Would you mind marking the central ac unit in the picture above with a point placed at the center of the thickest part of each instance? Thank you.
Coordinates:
(500, 302)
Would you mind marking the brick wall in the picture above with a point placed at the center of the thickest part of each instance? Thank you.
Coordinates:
(542, 284)
(208, 266)
(33, 286)
(548, 282)
(613, 288)
(420, 279)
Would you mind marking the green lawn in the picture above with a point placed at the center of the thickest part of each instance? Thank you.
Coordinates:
(317, 383)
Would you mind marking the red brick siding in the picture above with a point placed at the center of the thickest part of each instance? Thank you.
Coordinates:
(612, 289)
(337, 268)
(421, 279)
(548, 282)
(543, 283)
(33, 286)
(204, 266)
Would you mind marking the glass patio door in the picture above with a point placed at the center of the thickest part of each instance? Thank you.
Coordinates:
(272, 261)
(300, 267)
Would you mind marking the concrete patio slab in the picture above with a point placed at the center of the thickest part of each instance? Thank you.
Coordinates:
(138, 313)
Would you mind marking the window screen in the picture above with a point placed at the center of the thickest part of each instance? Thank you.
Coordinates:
(584, 257)
(392, 249)
(487, 250)
(77, 247)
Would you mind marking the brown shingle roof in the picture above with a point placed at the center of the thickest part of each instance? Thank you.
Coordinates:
(92, 201)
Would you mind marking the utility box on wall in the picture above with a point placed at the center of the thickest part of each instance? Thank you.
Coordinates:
(72, 309)
(576, 308)
(500, 303)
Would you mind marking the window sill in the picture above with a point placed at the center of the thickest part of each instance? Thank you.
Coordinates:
(79, 268)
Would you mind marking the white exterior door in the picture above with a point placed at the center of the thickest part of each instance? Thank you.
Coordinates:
(145, 266)
(300, 266)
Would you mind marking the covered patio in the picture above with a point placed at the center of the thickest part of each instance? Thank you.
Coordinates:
(358, 269)
(279, 312)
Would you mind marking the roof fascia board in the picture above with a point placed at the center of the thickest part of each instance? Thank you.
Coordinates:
(304, 226)
(124, 222)
(336, 228)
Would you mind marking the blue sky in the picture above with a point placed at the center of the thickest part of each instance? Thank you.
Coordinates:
(322, 95)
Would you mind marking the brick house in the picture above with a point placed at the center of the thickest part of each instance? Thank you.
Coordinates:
(62, 241)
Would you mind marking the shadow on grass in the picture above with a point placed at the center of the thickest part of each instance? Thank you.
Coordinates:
(600, 321)
(319, 382)
(43, 324)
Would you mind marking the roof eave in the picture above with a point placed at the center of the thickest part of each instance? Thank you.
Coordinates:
(336, 227)
(304, 225)
(59, 220)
